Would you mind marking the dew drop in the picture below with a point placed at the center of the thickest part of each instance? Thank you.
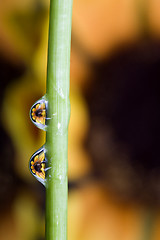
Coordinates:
(38, 113)
(37, 165)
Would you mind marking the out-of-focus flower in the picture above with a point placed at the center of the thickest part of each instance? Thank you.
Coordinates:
(20, 28)
(100, 216)
(102, 26)
(79, 163)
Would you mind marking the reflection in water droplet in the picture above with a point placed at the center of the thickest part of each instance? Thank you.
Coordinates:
(37, 165)
(38, 113)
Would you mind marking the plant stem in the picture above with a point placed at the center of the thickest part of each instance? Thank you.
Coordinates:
(58, 77)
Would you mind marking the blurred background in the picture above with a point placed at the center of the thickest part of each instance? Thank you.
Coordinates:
(114, 165)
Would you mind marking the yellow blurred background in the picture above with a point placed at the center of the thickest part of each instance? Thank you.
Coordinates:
(114, 181)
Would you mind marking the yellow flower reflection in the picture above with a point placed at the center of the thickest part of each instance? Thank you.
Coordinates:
(39, 113)
(38, 165)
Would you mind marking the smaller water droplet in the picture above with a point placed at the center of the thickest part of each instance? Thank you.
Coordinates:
(37, 165)
(38, 113)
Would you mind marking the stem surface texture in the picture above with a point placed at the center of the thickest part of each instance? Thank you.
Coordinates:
(58, 78)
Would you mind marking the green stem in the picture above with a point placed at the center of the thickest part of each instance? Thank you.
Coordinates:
(58, 76)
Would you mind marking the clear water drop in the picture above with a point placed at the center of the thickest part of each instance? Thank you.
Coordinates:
(37, 165)
(38, 113)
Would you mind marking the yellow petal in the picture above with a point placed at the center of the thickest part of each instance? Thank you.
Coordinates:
(41, 157)
(37, 106)
(43, 105)
(44, 113)
(36, 158)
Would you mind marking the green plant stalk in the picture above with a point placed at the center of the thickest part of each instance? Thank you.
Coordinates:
(58, 78)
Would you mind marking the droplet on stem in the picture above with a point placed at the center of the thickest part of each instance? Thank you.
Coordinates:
(37, 165)
(38, 113)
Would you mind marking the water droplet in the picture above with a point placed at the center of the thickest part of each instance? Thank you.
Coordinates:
(38, 113)
(37, 165)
